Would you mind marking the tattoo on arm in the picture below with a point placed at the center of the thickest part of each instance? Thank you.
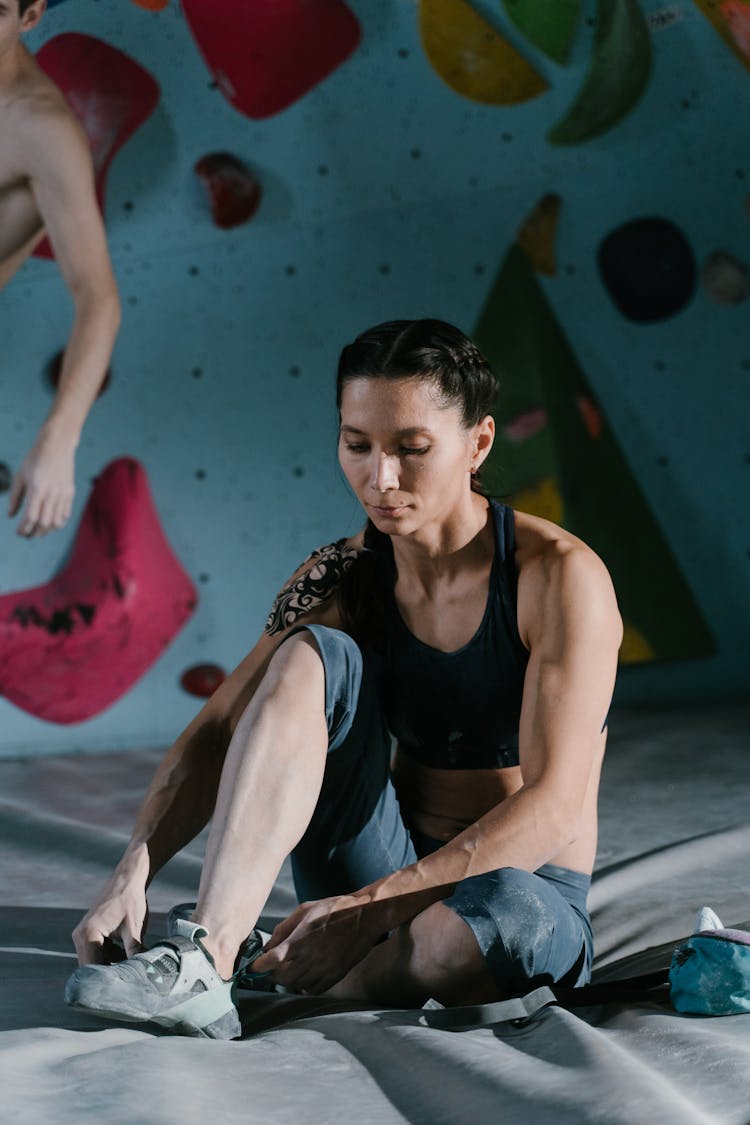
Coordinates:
(316, 586)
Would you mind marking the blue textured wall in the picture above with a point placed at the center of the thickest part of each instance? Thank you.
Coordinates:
(386, 195)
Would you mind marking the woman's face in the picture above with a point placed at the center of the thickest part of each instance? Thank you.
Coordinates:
(407, 458)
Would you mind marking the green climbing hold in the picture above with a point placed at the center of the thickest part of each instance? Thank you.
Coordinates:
(618, 74)
(549, 24)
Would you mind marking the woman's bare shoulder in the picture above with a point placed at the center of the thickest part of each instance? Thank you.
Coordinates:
(557, 572)
(538, 540)
(309, 594)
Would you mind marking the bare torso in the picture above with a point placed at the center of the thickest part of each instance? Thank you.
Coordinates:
(30, 93)
(442, 802)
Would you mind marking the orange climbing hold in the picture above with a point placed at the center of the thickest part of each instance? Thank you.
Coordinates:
(233, 191)
(537, 235)
(731, 18)
(591, 415)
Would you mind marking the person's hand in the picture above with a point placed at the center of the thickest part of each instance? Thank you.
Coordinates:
(320, 942)
(120, 912)
(46, 481)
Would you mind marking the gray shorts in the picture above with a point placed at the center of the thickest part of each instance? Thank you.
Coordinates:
(532, 928)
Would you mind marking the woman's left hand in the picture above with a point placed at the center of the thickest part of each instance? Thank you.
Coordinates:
(320, 942)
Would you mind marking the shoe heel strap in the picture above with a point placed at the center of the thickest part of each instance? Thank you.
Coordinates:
(183, 927)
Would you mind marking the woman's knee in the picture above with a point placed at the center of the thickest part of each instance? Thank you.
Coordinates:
(514, 919)
(342, 666)
(295, 665)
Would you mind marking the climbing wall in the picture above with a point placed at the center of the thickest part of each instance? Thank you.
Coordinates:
(255, 230)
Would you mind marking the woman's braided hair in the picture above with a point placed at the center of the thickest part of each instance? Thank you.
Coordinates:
(423, 349)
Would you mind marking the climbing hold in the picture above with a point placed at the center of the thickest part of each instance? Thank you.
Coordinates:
(53, 372)
(732, 21)
(591, 415)
(648, 269)
(72, 647)
(525, 425)
(634, 649)
(542, 498)
(472, 57)
(537, 235)
(6, 477)
(152, 5)
(265, 54)
(549, 24)
(618, 74)
(202, 679)
(233, 191)
(725, 278)
(110, 94)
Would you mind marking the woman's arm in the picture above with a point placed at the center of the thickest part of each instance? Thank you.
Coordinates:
(61, 175)
(568, 617)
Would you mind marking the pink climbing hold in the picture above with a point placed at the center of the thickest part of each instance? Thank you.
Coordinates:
(233, 191)
(526, 425)
(73, 647)
(202, 679)
(110, 94)
(265, 54)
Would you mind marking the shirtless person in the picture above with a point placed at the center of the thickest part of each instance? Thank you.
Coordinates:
(485, 640)
(47, 187)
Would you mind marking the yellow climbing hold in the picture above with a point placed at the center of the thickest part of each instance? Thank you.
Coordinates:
(536, 237)
(472, 57)
(731, 18)
(540, 499)
(634, 649)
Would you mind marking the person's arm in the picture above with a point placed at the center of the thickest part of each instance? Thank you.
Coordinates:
(181, 797)
(574, 633)
(62, 180)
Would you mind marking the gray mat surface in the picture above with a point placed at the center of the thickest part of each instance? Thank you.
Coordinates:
(675, 835)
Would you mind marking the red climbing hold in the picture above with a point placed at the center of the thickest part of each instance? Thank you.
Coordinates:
(74, 646)
(54, 371)
(202, 679)
(265, 54)
(110, 94)
(232, 188)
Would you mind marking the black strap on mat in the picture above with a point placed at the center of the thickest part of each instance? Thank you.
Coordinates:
(520, 1010)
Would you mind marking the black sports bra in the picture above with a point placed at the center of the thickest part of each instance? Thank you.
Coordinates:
(457, 710)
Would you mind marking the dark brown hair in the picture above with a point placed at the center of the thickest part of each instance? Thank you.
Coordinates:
(423, 349)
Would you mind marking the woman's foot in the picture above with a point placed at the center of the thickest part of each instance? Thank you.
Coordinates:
(173, 984)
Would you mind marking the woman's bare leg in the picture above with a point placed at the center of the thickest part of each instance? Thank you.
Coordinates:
(434, 956)
(269, 787)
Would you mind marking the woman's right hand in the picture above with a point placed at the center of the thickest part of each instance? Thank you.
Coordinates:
(119, 913)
